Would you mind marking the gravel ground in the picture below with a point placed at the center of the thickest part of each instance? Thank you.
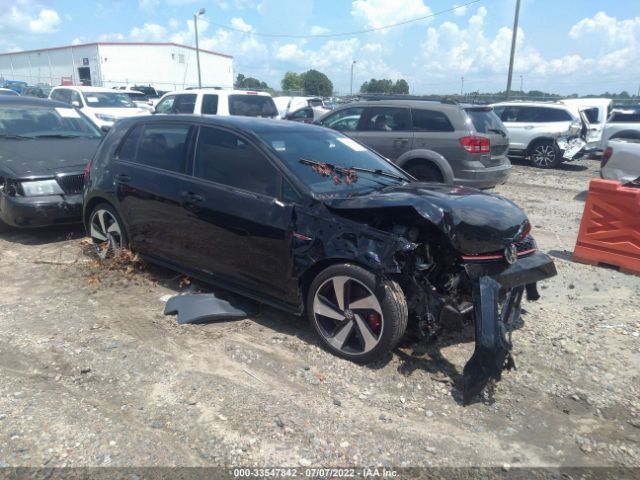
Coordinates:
(94, 375)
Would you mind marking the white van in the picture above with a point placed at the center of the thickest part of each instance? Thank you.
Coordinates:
(213, 101)
(102, 105)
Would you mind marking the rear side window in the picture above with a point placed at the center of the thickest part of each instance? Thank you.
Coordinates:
(128, 148)
(210, 104)
(225, 158)
(554, 115)
(385, 119)
(620, 117)
(344, 120)
(430, 121)
(252, 106)
(178, 104)
(159, 146)
(485, 120)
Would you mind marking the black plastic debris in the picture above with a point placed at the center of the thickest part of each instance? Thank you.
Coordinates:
(203, 308)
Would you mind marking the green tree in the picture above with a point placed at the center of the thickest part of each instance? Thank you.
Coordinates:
(401, 86)
(385, 85)
(291, 81)
(250, 83)
(316, 83)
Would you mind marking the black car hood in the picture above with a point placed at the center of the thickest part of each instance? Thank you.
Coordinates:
(474, 221)
(45, 157)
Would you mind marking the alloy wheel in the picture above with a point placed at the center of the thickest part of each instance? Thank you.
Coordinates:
(348, 315)
(105, 232)
(544, 155)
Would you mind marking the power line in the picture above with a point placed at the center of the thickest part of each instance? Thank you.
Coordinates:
(346, 34)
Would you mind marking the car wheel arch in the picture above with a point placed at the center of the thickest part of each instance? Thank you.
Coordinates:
(422, 156)
(532, 144)
(315, 269)
(93, 203)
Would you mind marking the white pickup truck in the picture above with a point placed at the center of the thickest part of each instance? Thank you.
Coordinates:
(621, 160)
(622, 123)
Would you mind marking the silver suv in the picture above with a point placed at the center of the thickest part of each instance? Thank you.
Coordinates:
(432, 140)
(534, 128)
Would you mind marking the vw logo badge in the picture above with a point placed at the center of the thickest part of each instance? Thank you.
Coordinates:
(511, 254)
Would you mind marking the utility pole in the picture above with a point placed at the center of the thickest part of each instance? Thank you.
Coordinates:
(461, 85)
(513, 47)
(351, 82)
(195, 27)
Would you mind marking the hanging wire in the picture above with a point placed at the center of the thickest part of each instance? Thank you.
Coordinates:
(346, 34)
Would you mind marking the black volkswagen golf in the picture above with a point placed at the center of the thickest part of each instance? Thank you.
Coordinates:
(308, 220)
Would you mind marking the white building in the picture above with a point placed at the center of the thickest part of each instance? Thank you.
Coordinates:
(165, 66)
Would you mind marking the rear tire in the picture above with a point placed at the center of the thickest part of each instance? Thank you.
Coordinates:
(107, 231)
(357, 314)
(426, 172)
(545, 154)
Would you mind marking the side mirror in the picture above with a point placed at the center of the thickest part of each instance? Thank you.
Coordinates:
(105, 128)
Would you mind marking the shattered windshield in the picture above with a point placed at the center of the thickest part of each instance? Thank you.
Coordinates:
(337, 150)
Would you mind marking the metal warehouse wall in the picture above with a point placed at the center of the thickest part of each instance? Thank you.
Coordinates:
(49, 66)
(166, 67)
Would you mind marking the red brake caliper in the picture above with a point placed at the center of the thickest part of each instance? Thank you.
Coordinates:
(374, 321)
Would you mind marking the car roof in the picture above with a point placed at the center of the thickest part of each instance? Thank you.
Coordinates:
(531, 104)
(218, 91)
(402, 103)
(88, 89)
(16, 100)
(253, 124)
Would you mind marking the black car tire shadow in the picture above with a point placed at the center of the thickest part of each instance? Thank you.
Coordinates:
(41, 235)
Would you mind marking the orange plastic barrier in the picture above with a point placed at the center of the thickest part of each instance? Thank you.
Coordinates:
(610, 227)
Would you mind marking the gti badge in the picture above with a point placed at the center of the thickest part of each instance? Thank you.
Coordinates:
(511, 254)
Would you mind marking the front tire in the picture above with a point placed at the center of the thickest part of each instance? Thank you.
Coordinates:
(107, 231)
(356, 314)
(545, 154)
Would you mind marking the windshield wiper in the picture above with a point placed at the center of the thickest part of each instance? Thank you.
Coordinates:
(57, 135)
(348, 170)
(21, 137)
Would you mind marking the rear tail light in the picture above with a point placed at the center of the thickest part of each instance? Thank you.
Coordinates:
(476, 144)
(606, 155)
(87, 172)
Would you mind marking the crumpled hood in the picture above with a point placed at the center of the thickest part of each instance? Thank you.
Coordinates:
(45, 157)
(474, 221)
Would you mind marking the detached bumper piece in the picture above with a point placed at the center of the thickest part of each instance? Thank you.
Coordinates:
(203, 308)
(492, 352)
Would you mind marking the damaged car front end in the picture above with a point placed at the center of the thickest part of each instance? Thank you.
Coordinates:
(461, 255)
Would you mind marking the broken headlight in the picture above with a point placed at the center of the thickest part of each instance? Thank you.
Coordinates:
(41, 187)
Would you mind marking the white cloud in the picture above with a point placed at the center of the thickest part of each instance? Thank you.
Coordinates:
(111, 37)
(617, 32)
(317, 30)
(28, 18)
(149, 32)
(240, 24)
(379, 13)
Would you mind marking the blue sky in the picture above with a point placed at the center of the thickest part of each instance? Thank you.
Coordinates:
(564, 46)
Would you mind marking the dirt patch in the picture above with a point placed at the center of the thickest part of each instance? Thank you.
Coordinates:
(94, 374)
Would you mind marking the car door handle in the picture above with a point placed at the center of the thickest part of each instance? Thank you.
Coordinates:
(122, 178)
(193, 197)
(400, 140)
(528, 127)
